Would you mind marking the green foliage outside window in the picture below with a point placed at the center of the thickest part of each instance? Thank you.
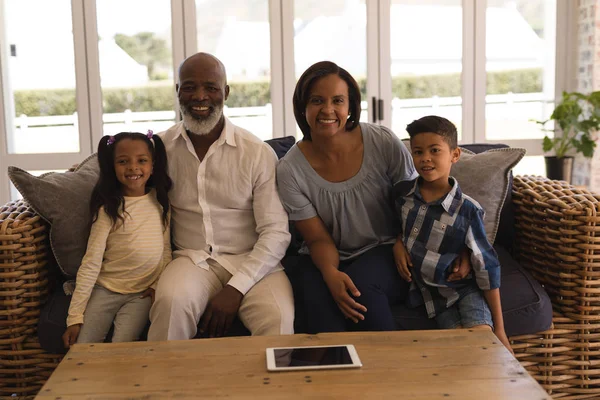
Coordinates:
(159, 96)
(146, 49)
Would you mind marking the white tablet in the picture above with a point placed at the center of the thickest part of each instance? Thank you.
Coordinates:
(312, 357)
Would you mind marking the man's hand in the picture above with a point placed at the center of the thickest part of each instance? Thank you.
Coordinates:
(148, 293)
(403, 261)
(461, 267)
(220, 312)
(70, 336)
(339, 284)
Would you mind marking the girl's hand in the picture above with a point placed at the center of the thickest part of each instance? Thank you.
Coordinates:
(402, 260)
(70, 335)
(501, 335)
(339, 284)
(148, 293)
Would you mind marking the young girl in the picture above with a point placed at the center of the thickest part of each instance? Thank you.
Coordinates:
(129, 242)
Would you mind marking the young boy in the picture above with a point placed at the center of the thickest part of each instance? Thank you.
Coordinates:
(437, 222)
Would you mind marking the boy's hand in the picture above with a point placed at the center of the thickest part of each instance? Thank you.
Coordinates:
(402, 260)
(148, 293)
(501, 335)
(70, 335)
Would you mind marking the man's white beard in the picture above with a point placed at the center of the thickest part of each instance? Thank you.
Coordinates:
(201, 126)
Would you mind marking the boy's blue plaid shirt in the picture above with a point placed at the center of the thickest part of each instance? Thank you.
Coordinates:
(434, 235)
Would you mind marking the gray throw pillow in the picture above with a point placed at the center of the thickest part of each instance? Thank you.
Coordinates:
(63, 200)
(486, 177)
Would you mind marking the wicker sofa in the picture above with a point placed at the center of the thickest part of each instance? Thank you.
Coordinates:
(556, 241)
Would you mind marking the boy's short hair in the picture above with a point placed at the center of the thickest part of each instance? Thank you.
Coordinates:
(434, 124)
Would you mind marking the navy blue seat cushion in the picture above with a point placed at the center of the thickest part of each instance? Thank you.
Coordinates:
(53, 322)
(526, 306)
(281, 145)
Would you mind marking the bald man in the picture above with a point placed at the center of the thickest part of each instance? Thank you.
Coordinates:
(229, 228)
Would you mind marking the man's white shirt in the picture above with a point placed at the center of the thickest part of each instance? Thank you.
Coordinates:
(227, 207)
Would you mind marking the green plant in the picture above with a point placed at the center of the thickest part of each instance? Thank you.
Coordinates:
(578, 117)
(160, 95)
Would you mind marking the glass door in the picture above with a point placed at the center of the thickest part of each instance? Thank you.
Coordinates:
(520, 67)
(40, 104)
(426, 61)
(341, 31)
(238, 33)
(44, 109)
(136, 65)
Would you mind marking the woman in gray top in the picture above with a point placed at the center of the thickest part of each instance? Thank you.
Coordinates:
(336, 185)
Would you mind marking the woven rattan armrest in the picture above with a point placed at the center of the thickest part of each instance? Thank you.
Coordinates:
(24, 254)
(558, 240)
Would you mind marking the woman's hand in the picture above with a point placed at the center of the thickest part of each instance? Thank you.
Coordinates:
(402, 259)
(70, 336)
(461, 267)
(339, 284)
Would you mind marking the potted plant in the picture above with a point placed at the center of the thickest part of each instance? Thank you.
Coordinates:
(578, 117)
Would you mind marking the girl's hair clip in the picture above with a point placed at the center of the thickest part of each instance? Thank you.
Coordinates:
(111, 140)
(150, 134)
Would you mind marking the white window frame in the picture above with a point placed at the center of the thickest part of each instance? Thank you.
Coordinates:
(283, 80)
(279, 23)
(46, 161)
(565, 67)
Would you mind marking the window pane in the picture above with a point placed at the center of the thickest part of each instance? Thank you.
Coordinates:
(136, 65)
(426, 65)
(40, 107)
(520, 65)
(531, 165)
(238, 33)
(332, 30)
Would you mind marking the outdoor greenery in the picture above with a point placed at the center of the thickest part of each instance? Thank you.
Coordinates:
(159, 96)
(148, 50)
(578, 117)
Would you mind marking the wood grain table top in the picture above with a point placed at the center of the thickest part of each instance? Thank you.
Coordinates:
(448, 364)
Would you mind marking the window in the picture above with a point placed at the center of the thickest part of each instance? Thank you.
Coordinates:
(426, 61)
(136, 65)
(520, 67)
(39, 93)
(336, 31)
(239, 34)
(101, 67)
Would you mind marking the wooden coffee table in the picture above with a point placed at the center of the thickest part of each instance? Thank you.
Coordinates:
(450, 364)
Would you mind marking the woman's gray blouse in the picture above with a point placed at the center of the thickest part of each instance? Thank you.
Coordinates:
(359, 212)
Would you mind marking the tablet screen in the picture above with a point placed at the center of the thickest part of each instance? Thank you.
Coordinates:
(311, 356)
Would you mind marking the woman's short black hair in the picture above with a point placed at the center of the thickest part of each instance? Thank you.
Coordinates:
(307, 81)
